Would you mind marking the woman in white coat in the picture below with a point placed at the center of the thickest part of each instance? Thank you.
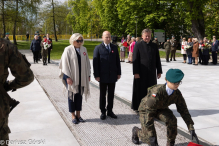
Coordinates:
(75, 74)
(183, 51)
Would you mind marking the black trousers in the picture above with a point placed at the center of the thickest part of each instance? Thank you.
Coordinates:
(214, 57)
(110, 98)
(205, 59)
(184, 57)
(76, 104)
(49, 50)
(35, 56)
(200, 56)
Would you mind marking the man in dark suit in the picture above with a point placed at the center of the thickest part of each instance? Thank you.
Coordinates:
(50, 48)
(107, 70)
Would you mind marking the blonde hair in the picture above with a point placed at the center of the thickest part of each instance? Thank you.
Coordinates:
(74, 37)
(195, 39)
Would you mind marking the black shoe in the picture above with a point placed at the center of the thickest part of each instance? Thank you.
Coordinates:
(103, 116)
(174, 60)
(80, 120)
(45, 63)
(75, 121)
(135, 138)
(112, 115)
(170, 59)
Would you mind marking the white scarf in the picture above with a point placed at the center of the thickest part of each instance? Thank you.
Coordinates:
(69, 66)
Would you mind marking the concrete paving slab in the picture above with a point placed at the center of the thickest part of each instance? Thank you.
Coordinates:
(35, 121)
(199, 89)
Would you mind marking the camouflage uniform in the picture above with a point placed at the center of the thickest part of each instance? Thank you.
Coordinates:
(155, 105)
(173, 49)
(44, 53)
(167, 46)
(19, 66)
(156, 42)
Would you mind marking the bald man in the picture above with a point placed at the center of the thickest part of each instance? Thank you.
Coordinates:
(107, 71)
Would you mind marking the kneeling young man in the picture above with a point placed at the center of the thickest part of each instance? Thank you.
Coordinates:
(155, 105)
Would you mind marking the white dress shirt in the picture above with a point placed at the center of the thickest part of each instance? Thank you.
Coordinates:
(108, 46)
(169, 91)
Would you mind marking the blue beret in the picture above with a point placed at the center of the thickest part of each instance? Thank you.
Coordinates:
(155, 37)
(7, 33)
(167, 38)
(174, 75)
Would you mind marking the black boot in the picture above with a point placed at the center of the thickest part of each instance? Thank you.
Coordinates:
(170, 143)
(135, 138)
(153, 141)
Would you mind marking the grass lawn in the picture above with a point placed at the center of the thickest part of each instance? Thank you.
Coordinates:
(58, 48)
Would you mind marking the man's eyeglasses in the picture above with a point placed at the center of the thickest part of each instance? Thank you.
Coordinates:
(79, 41)
(178, 83)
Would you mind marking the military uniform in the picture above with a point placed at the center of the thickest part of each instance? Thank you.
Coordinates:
(19, 66)
(156, 42)
(155, 105)
(167, 47)
(44, 53)
(173, 49)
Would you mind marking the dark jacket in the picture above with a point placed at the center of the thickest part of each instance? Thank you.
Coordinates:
(51, 44)
(106, 64)
(189, 51)
(35, 45)
(214, 46)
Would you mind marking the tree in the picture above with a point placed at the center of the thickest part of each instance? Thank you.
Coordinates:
(54, 24)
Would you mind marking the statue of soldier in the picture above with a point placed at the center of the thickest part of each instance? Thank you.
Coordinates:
(7, 36)
(11, 58)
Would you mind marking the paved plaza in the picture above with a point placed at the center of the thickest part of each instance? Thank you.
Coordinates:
(43, 112)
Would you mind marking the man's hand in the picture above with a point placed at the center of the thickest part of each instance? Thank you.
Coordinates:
(158, 75)
(97, 79)
(137, 76)
(69, 81)
(118, 77)
(193, 134)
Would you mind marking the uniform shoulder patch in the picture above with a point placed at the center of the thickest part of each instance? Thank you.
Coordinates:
(154, 95)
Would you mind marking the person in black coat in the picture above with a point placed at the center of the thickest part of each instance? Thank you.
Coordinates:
(50, 48)
(36, 48)
(146, 67)
(214, 48)
(107, 70)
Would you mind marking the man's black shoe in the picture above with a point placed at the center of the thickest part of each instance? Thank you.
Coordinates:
(112, 115)
(103, 116)
(135, 138)
(174, 59)
(49, 62)
(170, 59)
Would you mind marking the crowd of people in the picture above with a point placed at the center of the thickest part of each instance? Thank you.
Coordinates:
(75, 72)
(194, 51)
(41, 48)
(199, 51)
